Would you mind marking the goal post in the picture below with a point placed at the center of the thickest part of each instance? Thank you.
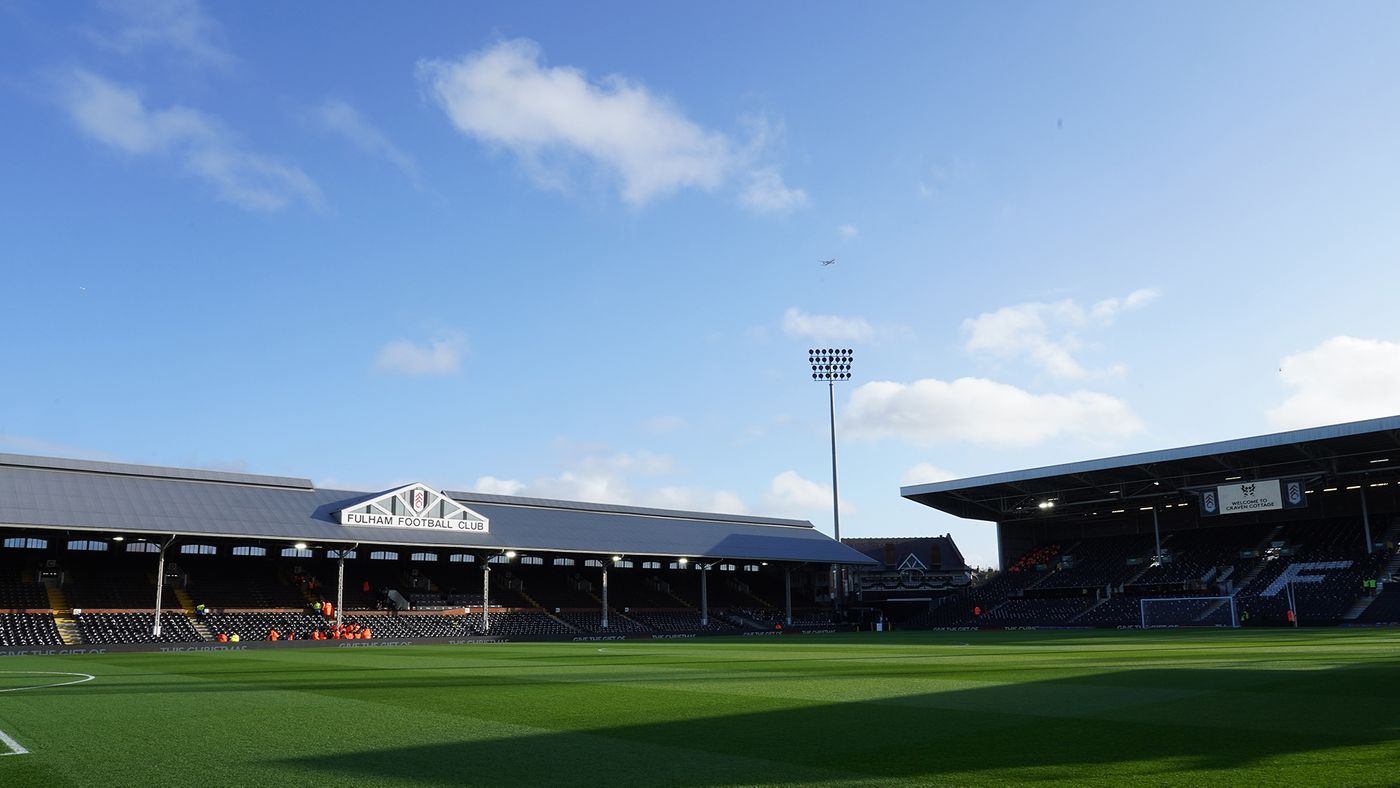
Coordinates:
(1188, 611)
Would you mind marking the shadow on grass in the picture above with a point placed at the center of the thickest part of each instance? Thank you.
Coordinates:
(1121, 723)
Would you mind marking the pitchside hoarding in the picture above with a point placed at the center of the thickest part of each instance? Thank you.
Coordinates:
(1256, 496)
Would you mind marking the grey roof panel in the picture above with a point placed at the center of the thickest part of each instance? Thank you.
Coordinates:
(1328, 451)
(1159, 456)
(152, 471)
(104, 500)
(475, 497)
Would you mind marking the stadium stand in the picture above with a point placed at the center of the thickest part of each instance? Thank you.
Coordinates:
(28, 629)
(17, 594)
(1112, 574)
(1384, 609)
(664, 621)
(112, 628)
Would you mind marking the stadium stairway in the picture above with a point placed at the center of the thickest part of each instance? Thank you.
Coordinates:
(1054, 559)
(1258, 565)
(613, 612)
(1096, 605)
(68, 630)
(1139, 573)
(187, 604)
(1248, 578)
(747, 591)
(680, 601)
(1389, 571)
(536, 605)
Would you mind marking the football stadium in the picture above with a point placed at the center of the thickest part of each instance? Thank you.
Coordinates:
(1214, 612)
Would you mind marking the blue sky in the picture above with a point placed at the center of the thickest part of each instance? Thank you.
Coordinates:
(571, 250)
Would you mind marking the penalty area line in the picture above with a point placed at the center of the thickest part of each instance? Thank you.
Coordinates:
(15, 747)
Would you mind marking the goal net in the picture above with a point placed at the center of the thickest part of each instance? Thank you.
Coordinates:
(1189, 611)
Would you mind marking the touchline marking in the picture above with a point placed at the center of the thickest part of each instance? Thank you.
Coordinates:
(85, 677)
(15, 747)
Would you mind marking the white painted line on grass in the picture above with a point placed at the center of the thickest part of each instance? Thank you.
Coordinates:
(15, 747)
(85, 677)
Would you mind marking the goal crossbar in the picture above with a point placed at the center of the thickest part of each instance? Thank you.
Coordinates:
(1208, 606)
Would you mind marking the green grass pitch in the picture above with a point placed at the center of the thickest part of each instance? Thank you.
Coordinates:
(961, 708)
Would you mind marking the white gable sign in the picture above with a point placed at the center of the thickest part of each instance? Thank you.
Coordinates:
(415, 506)
(912, 562)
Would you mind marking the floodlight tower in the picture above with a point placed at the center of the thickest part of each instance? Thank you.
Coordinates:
(832, 365)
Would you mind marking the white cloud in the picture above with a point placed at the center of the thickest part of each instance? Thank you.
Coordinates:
(22, 444)
(644, 463)
(975, 410)
(848, 231)
(1047, 334)
(490, 485)
(1109, 308)
(1342, 379)
(343, 119)
(925, 473)
(505, 96)
(609, 478)
(441, 355)
(180, 25)
(797, 323)
(116, 116)
(766, 193)
(791, 495)
(553, 118)
(692, 500)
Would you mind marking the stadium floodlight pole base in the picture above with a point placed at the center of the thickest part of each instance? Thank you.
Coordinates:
(1188, 611)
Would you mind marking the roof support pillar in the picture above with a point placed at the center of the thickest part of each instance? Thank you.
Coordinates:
(704, 595)
(787, 596)
(160, 583)
(486, 595)
(1365, 519)
(605, 594)
(340, 590)
(1157, 534)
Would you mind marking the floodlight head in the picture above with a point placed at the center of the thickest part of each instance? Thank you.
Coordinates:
(831, 364)
(510, 554)
(683, 561)
(300, 545)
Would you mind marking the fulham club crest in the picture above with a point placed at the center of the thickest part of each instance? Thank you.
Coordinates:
(1295, 497)
(1208, 502)
(414, 506)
